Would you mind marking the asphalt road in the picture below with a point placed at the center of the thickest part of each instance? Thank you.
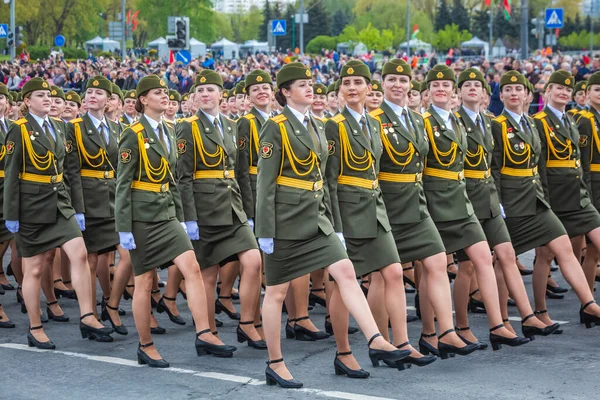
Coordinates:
(558, 367)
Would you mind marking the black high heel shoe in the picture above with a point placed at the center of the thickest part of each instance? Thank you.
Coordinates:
(162, 307)
(126, 295)
(243, 337)
(218, 323)
(217, 350)
(154, 303)
(314, 299)
(387, 356)
(588, 319)
(425, 348)
(184, 294)
(144, 358)
(556, 289)
(481, 345)
(274, 379)
(97, 334)
(306, 335)
(329, 327)
(446, 349)
(57, 318)
(530, 331)
(105, 316)
(406, 279)
(69, 294)
(418, 361)
(451, 275)
(33, 342)
(2, 290)
(342, 369)
(497, 341)
(540, 312)
(220, 307)
(476, 306)
(157, 330)
(289, 329)
(6, 324)
(418, 305)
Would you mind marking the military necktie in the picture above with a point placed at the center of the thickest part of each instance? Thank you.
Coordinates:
(363, 127)
(409, 126)
(2, 127)
(478, 124)
(311, 132)
(49, 135)
(455, 126)
(161, 137)
(218, 127)
(102, 131)
(565, 121)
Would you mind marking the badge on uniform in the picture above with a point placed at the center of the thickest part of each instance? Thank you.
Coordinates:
(331, 147)
(522, 145)
(69, 146)
(583, 141)
(125, 155)
(146, 145)
(10, 147)
(181, 146)
(266, 150)
(510, 135)
(242, 143)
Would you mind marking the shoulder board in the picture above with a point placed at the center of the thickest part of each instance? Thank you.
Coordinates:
(376, 113)
(192, 118)
(279, 118)
(540, 115)
(338, 118)
(170, 123)
(249, 116)
(426, 114)
(21, 121)
(57, 119)
(137, 127)
(573, 111)
(500, 119)
(324, 119)
(587, 114)
(457, 114)
(76, 120)
(179, 120)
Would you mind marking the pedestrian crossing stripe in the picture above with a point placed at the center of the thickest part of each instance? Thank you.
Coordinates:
(278, 28)
(554, 20)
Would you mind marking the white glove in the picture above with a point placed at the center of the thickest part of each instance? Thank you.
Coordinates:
(266, 245)
(502, 211)
(340, 236)
(251, 223)
(191, 228)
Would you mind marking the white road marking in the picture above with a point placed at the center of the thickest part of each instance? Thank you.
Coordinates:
(208, 375)
(518, 319)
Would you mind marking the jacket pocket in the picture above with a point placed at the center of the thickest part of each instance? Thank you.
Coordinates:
(349, 197)
(87, 183)
(27, 188)
(287, 198)
(144, 197)
(436, 186)
(204, 187)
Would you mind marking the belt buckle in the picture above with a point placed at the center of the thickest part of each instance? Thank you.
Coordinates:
(535, 170)
(486, 174)
(164, 187)
(315, 186)
(53, 179)
(226, 174)
(461, 175)
(418, 177)
(577, 163)
(375, 184)
(106, 174)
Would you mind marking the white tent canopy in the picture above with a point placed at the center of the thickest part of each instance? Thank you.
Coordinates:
(197, 48)
(105, 44)
(225, 48)
(477, 43)
(417, 44)
(161, 46)
(254, 46)
(359, 48)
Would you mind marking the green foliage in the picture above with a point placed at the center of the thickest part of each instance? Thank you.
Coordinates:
(341, 19)
(321, 42)
(38, 52)
(459, 15)
(73, 53)
(578, 40)
(450, 37)
(349, 35)
(223, 27)
(319, 20)
(245, 25)
(442, 15)
(264, 27)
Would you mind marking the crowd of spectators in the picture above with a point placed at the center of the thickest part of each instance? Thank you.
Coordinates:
(72, 75)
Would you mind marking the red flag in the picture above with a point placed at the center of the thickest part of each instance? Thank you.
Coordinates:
(128, 20)
(171, 57)
(507, 6)
(557, 33)
(488, 2)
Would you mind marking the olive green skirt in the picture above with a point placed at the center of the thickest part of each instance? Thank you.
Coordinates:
(100, 235)
(34, 239)
(157, 245)
(495, 231)
(295, 258)
(5, 234)
(529, 232)
(219, 243)
(581, 221)
(417, 241)
(460, 234)
(368, 255)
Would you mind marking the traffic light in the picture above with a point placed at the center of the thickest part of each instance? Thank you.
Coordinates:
(18, 36)
(11, 39)
(181, 40)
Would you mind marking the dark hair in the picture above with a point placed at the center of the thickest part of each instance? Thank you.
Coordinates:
(281, 99)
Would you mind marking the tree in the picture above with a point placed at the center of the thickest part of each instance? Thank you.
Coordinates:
(285, 42)
(441, 16)
(341, 19)
(319, 19)
(264, 27)
(459, 15)
(321, 42)
(450, 37)
(245, 25)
